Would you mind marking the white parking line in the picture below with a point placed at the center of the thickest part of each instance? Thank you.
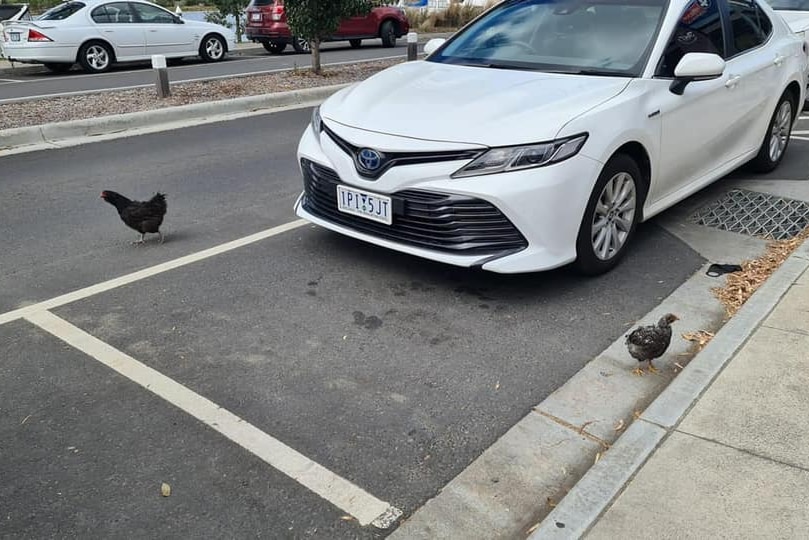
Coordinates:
(9, 80)
(365, 508)
(146, 272)
(801, 132)
(800, 138)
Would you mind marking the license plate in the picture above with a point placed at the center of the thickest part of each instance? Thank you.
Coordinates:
(364, 204)
(255, 16)
(15, 36)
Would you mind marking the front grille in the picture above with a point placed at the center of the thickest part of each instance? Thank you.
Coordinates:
(450, 223)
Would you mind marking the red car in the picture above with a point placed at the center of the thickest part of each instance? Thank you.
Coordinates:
(267, 24)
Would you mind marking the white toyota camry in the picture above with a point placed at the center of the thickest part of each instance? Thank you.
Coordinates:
(543, 132)
(100, 33)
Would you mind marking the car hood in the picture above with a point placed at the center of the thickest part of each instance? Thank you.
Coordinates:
(491, 107)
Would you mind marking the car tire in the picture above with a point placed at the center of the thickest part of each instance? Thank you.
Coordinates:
(388, 34)
(212, 48)
(301, 46)
(776, 140)
(355, 43)
(595, 252)
(274, 47)
(58, 67)
(96, 57)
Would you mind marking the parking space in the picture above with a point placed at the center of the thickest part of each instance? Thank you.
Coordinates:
(392, 373)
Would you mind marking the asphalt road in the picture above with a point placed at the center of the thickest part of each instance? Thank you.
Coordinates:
(15, 87)
(392, 372)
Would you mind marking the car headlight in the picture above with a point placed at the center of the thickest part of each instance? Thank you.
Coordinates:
(317, 121)
(517, 158)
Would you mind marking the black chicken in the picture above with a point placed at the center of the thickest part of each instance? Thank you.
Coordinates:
(143, 216)
(646, 343)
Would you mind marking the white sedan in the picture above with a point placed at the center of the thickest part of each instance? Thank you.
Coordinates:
(100, 33)
(542, 133)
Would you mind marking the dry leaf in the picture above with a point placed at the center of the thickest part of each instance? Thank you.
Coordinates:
(533, 527)
(619, 425)
(347, 518)
(165, 489)
(637, 414)
(740, 286)
(24, 420)
(551, 502)
(598, 456)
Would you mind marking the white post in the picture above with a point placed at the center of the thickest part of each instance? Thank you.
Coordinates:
(412, 46)
(161, 76)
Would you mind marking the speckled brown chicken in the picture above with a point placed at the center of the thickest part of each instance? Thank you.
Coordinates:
(646, 343)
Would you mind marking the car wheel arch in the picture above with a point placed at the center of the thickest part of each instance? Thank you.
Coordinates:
(794, 90)
(217, 34)
(114, 57)
(637, 151)
(393, 21)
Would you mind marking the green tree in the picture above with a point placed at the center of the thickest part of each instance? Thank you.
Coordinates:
(234, 8)
(316, 20)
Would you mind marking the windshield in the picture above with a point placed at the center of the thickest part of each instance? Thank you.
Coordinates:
(61, 12)
(599, 37)
(790, 5)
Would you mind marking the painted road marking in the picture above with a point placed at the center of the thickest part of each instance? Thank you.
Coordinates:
(9, 80)
(801, 132)
(147, 272)
(364, 507)
(793, 137)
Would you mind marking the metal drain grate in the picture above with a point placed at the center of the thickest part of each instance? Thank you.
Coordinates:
(755, 214)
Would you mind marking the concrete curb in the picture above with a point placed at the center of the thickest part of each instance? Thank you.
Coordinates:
(593, 494)
(61, 133)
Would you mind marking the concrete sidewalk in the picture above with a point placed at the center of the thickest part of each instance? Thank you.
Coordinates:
(722, 453)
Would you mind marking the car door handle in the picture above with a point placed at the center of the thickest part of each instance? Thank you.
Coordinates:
(778, 60)
(733, 81)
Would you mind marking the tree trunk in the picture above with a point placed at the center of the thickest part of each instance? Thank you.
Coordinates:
(316, 68)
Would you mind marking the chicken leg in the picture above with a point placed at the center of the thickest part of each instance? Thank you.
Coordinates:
(653, 369)
(141, 240)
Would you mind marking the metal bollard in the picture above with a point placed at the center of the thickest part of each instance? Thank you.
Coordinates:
(161, 75)
(412, 46)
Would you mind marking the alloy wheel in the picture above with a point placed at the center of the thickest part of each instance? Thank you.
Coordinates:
(97, 57)
(781, 128)
(613, 216)
(214, 48)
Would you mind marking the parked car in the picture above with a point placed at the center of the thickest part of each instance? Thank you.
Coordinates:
(100, 33)
(267, 24)
(542, 133)
(796, 14)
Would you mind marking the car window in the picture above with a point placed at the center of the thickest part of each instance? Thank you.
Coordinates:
(61, 12)
(751, 26)
(260, 3)
(599, 37)
(699, 30)
(114, 13)
(153, 14)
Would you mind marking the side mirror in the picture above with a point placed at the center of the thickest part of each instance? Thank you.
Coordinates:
(433, 44)
(696, 67)
(178, 20)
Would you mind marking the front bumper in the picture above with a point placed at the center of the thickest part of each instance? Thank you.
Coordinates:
(541, 208)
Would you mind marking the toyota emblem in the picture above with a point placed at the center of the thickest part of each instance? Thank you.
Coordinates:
(369, 160)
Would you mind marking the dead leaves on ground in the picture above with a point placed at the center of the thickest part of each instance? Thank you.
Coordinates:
(741, 285)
